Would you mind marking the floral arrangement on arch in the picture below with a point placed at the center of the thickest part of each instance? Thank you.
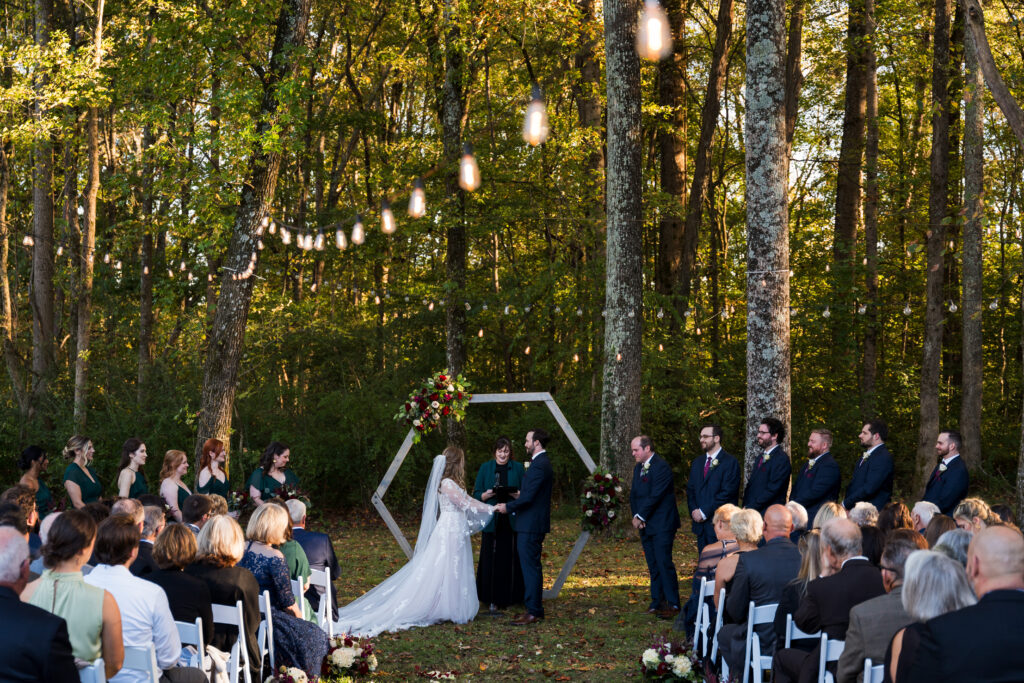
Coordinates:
(288, 674)
(349, 655)
(668, 660)
(600, 500)
(440, 396)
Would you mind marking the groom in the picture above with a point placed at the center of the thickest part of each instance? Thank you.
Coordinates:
(533, 520)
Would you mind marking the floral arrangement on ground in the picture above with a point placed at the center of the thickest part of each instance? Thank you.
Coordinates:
(600, 500)
(440, 396)
(288, 674)
(349, 656)
(669, 660)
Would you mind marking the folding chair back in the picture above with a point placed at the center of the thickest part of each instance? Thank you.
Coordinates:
(794, 633)
(718, 627)
(142, 659)
(192, 634)
(265, 636)
(753, 660)
(94, 673)
(830, 651)
(324, 613)
(231, 615)
(872, 673)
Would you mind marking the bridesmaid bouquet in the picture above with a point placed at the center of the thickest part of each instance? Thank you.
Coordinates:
(289, 491)
(670, 660)
(600, 500)
(350, 656)
(440, 396)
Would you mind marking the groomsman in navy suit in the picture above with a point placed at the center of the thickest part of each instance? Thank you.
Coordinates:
(652, 500)
(714, 481)
(872, 475)
(948, 483)
(818, 480)
(533, 521)
(768, 483)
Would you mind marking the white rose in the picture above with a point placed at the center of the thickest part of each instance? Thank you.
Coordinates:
(611, 514)
(590, 513)
(608, 476)
(606, 498)
(371, 661)
(298, 674)
(416, 423)
(451, 388)
(669, 658)
(343, 657)
(650, 658)
(435, 404)
(588, 494)
(681, 666)
(618, 489)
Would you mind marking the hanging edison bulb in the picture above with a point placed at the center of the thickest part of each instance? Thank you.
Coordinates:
(273, 228)
(340, 240)
(358, 233)
(469, 172)
(418, 199)
(286, 235)
(480, 333)
(264, 224)
(318, 243)
(28, 241)
(387, 218)
(535, 127)
(653, 34)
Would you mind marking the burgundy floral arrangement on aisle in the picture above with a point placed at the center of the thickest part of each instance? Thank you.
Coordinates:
(668, 660)
(600, 500)
(441, 396)
(350, 656)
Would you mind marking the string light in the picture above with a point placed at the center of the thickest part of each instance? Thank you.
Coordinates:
(430, 306)
(535, 126)
(418, 199)
(862, 309)
(480, 333)
(527, 351)
(661, 313)
(341, 241)
(826, 313)
(358, 234)
(469, 172)
(661, 347)
(318, 243)
(273, 228)
(953, 308)
(286, 235)
(387, 218)
(618, 357)
(653, 34)
(28, 241)
(906, 310)
(60, 250)
(575, 358)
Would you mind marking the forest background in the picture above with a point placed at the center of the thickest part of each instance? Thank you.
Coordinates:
(134, 137)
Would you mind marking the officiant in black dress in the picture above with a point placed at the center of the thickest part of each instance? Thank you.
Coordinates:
(499, 579)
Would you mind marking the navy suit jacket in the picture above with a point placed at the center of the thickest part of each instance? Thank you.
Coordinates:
(760, 576)
(35, 646)
(947, 489)
(320, 553)
(872, 480)
(533, 506)
(815, 486)
(769, 481)
(653, 496)
(721, 486)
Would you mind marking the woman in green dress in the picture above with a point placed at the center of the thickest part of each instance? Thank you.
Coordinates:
(131, 480)
(272, 474)
(172, 490)
(80, 479)
(33, 462)
(212, 477)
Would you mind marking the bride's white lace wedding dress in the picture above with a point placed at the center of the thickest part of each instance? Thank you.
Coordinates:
(438, 583)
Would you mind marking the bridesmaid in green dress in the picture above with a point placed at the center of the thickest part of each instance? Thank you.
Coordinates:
(272, 474)
(80, 479)
(131, 481)
(212, 477)
(172, 490)
(34, 461)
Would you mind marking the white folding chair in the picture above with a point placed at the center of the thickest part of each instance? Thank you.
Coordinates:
(718, 627)
(231, 615)
(265, 636)
(765, 614)
(793, 632)
(97, 672)
(872, 673)
(830, 651)
(297, 592)
(703, 621)
(142, 659)
(324, 611)
(192, 634)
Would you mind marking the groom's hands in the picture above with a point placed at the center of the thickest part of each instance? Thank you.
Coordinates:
(500, 507)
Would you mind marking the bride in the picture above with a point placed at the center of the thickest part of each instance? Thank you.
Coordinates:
(438, 583)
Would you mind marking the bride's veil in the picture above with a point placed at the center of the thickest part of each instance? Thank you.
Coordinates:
(431, 504)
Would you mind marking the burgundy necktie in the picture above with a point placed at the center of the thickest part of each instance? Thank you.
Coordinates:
(707, 466)
(760, 461)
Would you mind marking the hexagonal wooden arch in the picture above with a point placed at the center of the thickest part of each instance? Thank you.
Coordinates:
(378, 496)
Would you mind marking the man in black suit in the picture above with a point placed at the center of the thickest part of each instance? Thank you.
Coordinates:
(949, 481)
(714, 481)
(533, 521)
(850, 580)
(768, 482)
(872, 475)
(153, 523)
(35, 646)
(981, 642)
(818, 480)
(319, 552)
(760, 576)
(652, 500)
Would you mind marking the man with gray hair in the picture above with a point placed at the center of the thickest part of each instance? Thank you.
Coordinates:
(319, 551)
(848, 579)
(922, 514)
(154, 520)
(130, 507)
(35, 646)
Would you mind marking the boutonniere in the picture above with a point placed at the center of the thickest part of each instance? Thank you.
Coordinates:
(646, 467)
(714, 463)
(942, 467)
(864, 456)
(766, 457)
(810, 465)
(526, 465)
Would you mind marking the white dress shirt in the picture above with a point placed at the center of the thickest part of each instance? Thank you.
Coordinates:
(145, 616)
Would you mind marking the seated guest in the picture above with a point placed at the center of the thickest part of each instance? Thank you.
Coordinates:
(874, 622)
(152, 500)
(708, 563)
(195, 510)
(973, 514)
(297, 642)
(922, 514)
(189, 597)
(25, 500)
(747, 526)
(934, 585)
(863, 514)
(172, 488)
(826, 512)
(794, 591)
(319, 551)
(826, 607)
(37, 567)
(130, 507)
(35, 646)
(153, 523)
(92, 616)
(872, 541)
(799, 513)
(760, 577)
(980, 642)
(294, 555)
(894, 516)
(953, 544)
(220, 547)
(1003, 512)
(218, 504)
(939, 525)
(145, 614)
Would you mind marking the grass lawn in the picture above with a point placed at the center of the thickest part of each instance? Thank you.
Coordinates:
(594, 631)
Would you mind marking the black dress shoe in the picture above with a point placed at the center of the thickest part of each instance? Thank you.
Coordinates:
(668, 613)
(527, 619)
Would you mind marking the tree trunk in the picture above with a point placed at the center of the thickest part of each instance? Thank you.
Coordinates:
(970, 408)
(768, 354)
(227, 334)
(794, 77)
(1000, 93)
(11, 359)
(620, 394)
(938, 192)
(869, 361)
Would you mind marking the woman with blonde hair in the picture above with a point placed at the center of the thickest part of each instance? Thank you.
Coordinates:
(747, 526)
(80, 479)
(810, 569)
(830, 510)
(973, 514)
(172, 489)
